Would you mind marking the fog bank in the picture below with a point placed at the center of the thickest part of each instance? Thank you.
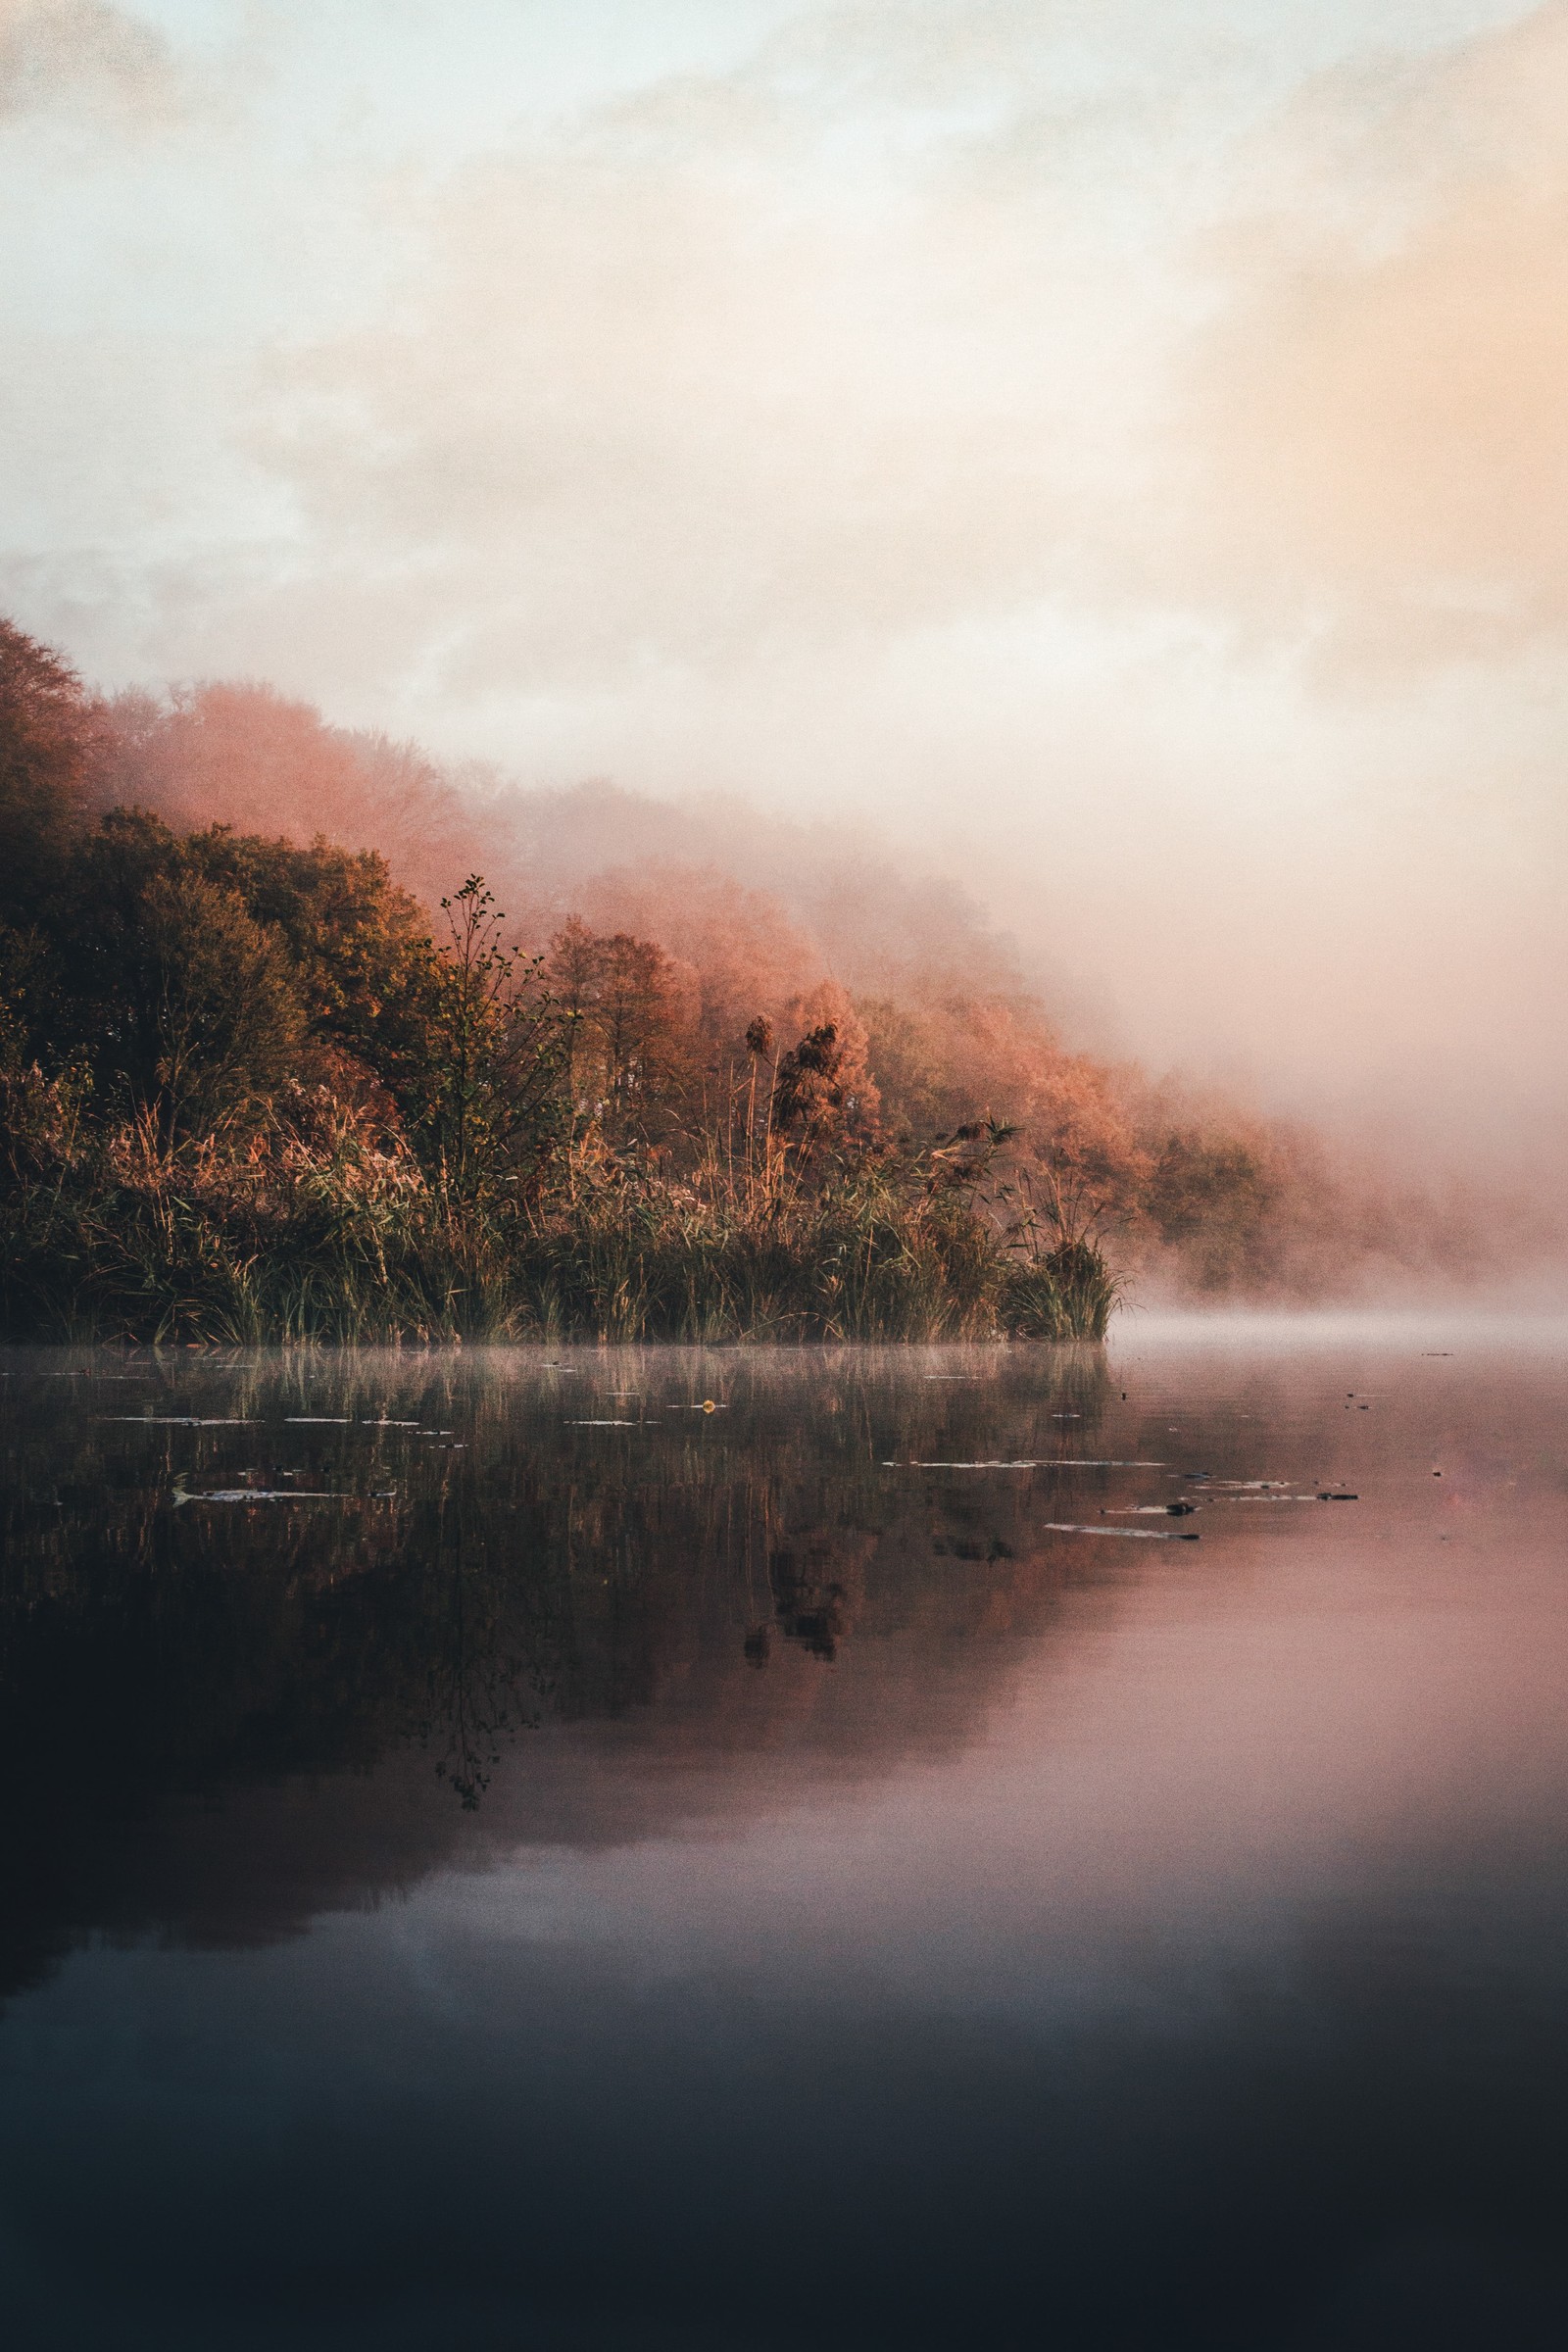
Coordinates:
(1112, 458)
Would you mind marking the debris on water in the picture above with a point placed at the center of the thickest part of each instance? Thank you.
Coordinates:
(1053, 1461)
(1149, 1510)
(183, 1494)
(180, 1420)
(1138, 1534)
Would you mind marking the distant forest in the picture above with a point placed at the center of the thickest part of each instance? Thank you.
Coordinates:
(694, 1076)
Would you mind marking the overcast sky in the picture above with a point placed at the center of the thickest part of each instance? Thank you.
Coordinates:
(1122, 447)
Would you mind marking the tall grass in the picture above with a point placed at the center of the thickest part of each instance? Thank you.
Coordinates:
(338, 1243)
(1068, 1294)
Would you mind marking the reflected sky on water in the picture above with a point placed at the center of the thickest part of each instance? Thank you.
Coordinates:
(572, 1865)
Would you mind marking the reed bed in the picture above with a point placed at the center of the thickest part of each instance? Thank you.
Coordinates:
(124, 1237)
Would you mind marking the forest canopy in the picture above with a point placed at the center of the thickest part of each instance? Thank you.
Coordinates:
(283, 1083)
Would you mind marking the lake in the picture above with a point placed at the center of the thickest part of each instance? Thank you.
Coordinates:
(771, 1848)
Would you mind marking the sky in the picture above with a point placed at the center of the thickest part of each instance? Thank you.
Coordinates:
(1120, 452)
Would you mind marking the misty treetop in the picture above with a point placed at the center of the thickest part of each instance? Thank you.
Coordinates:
(255, 1086)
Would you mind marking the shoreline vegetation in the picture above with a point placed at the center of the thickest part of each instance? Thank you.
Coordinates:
(229, 1199)
(250, 1090)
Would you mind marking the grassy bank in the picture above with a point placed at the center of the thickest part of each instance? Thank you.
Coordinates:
(121, 1237)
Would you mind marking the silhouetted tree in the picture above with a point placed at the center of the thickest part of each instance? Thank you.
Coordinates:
(47, 733)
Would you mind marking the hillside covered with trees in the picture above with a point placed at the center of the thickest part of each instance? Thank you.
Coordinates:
(278, 1082)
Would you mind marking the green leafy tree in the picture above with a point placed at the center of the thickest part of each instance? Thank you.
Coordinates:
(227, 1021)
(368, 975)
(183, 1004)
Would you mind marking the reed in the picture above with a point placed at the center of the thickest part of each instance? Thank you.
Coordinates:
(1068, 1294)
(125, 1236)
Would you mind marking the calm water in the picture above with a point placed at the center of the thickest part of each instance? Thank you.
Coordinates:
(589, 1870)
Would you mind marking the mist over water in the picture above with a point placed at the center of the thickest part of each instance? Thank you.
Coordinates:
(640, 1873)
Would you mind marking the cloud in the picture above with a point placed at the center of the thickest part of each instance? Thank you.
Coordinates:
(80, 56)
(1033, 428)
(668, 391)
(793, 360)
(1379, 413)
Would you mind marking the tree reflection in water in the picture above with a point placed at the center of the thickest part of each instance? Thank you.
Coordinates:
(217, 1720)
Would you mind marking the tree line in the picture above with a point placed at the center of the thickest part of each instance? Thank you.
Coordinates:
(250, 1088)
(253, 1087)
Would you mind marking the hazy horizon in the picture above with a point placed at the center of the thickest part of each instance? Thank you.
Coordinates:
(1115, 456)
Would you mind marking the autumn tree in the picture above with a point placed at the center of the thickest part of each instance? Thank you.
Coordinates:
(490, 1121)
(628, 1054)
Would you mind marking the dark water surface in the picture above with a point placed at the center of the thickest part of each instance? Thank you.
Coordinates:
(593, 1872)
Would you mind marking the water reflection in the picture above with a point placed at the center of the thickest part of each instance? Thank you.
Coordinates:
(820, 1901)
(165, 1653)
